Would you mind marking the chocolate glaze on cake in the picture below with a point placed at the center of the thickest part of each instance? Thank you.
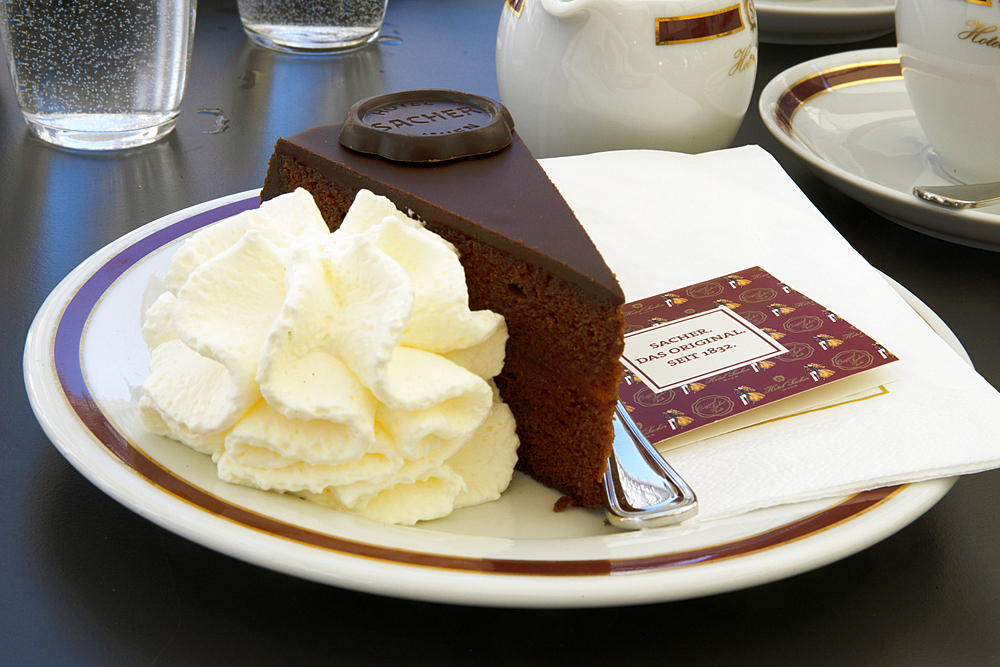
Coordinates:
(525, 256)
(514, 205)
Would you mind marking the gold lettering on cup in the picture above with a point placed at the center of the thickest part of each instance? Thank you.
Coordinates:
(980, 33)
(751, 11)
(745, 58)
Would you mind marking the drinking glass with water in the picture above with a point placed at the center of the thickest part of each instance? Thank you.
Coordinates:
(312, 26)
(98, 74)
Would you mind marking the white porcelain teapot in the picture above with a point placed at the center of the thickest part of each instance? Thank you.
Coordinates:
(581, 76)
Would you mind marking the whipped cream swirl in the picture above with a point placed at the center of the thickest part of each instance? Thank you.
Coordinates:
(344, 367)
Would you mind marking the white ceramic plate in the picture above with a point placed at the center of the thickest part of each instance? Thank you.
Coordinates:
(824, 21)
(85, 359)
(849, 117)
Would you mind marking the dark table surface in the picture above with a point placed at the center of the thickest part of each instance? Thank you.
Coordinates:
(85, 581)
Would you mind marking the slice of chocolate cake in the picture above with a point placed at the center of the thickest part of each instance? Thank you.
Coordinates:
(453, 161)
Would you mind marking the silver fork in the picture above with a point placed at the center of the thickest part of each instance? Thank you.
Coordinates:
(640, 489)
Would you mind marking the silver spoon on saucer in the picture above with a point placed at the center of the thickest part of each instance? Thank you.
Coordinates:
(640, 489)
(960, 196)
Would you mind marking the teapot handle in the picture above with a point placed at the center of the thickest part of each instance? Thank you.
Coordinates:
(562, 9)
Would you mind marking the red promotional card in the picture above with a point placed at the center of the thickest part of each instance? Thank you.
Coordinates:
(736, 351)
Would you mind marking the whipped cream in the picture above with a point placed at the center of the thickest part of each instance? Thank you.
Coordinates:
(344, 367)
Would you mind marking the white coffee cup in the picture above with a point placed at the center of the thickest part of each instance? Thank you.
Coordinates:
(581, 76)
(950, 54)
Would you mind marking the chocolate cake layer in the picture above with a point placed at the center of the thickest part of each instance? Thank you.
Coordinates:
(526, 257)
(497, 200)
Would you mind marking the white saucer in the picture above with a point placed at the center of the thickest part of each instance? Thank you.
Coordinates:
(824, 21)
(849, 117)
(84, 361)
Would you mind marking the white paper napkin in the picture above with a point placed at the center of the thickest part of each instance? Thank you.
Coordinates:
(666, 220)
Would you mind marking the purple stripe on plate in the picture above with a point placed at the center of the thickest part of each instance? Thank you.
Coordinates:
(801, 92)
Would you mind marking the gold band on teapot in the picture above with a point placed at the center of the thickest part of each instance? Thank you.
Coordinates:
(698, 27)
